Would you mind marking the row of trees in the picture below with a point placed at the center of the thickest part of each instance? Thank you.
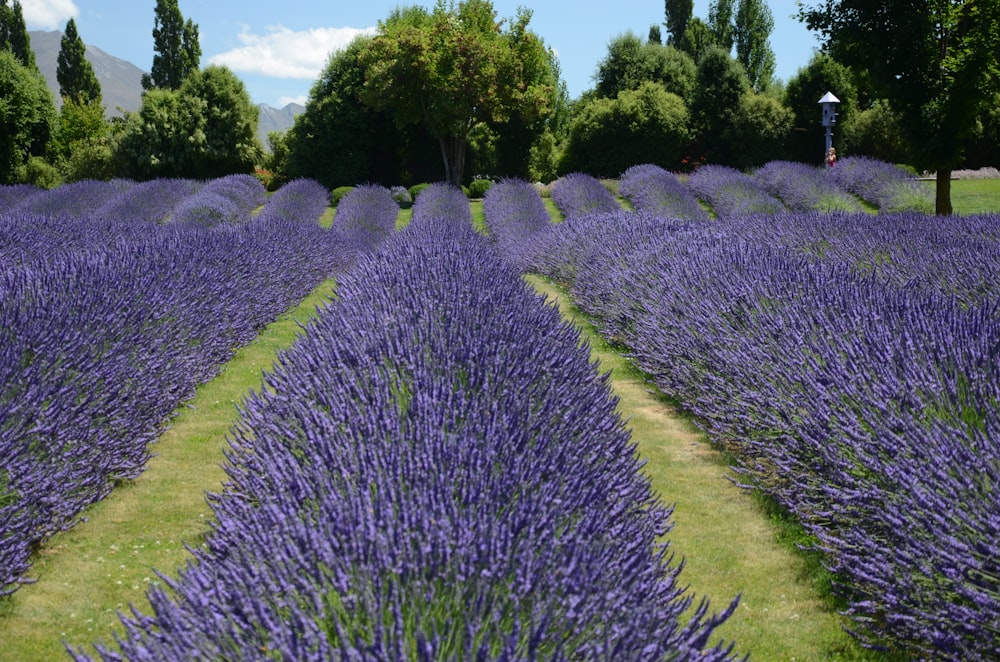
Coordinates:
(192, 123)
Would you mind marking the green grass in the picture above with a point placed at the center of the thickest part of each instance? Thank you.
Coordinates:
(974, 196)
(104, 564)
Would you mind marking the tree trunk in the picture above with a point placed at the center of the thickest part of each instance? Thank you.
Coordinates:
(453, 153)
(942, 200)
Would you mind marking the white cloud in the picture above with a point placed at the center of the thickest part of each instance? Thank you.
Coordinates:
(285, 53)
(48, 14)
(284, 101)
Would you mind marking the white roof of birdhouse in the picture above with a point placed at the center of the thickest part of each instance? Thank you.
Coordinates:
(829, 98)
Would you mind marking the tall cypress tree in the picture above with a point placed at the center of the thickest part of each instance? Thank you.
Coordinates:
(177, 49)
(678, 15)
(76, 77)
(14, 34)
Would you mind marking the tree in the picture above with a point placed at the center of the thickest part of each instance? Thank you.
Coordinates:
(450, 70)
(14, 34)
(720, 23)
(655, 36)
(759, 131)
(178, 52)
(678, 14)
(27, 116)
(340, 141)
(937, 63)
(76, 77)
(697, 38)
(802, 94)
(227, 143)
(751, 31)
(647, 125)
(630, 62)
(715, 107)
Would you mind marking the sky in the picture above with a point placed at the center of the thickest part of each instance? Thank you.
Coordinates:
(279, 47)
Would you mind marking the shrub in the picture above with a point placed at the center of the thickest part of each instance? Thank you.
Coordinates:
(416, 189)
(479, 187)
(338, 194)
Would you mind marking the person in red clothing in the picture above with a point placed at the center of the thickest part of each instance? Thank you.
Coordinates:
(831, 157)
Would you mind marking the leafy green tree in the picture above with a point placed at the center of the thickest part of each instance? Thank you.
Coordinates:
(631, 62)
(802, 94)
(715, 108)
(655, 36)
(678, 15)
(340, 141)
(875, 132)
(14, 34)
(27, 116)
(452, 69)
(697, 38)
(227, 142)
(759, 131)
(647, 125)
(176, 45)
(751, 33)
(157, 140)
(935, 62)
(984, 148)
(720, 23)
(82, 145)
(77, 80)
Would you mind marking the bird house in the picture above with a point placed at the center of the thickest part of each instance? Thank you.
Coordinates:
(829, 103)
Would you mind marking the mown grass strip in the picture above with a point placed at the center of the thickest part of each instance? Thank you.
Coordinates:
(103, 565)
(725, 537)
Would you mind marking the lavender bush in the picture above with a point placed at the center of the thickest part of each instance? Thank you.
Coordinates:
(515, 216)
(732, 193)
(443, 202)
(366, 216)
(99, 343)
(888, 187)
(803, 187)
(435, 471)
(651, 188)
(867, 408)
(578, 193)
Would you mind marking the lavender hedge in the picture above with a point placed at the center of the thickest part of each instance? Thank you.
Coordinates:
(803, 187)
(443, 202)
(515, 217)
(888, 187)
(98, 344)
(651, 188)
(869, 409)
(436, 471)
(732, 193)
(228, 199)
(366, 216)
(579, 193)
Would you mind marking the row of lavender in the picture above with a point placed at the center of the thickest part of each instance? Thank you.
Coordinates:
(435, 471)
(109, 318)
(869, 407)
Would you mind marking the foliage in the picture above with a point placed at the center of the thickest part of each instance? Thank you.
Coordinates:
(937, 65)
(678, 15)
(720, 23)
(27, 116)
(177, 49)
(340, 141)
(228, 142)
(452, 69)
(206, 129)
(752, 29)
(479, 187)
(337, 194)
(631, 62)
(875, 132)
(647, 125)
(77, 80)
(14, 35)
(802, 94)
(715, 108)
(83, 146)
(759, 132)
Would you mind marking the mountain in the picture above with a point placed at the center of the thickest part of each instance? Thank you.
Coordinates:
(121, 83)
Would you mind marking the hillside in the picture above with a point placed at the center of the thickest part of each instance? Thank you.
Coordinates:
(121, 83)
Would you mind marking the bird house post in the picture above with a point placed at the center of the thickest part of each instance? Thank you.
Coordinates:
(829, 104)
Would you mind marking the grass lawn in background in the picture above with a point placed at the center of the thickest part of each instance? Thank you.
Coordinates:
(974, 196)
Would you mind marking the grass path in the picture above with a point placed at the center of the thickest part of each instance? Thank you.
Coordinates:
(101, 566)
(728, 543)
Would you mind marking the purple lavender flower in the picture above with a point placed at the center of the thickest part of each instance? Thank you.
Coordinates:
(651, 188)
(579, 193)
(732, 193)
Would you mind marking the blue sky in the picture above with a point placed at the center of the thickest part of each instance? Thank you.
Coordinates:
(278, 47)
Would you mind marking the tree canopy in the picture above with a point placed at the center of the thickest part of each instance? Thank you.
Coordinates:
(27, 115)
(937, 63)
(176, 45)
(14, 34)
(76, 77)
(452, 69)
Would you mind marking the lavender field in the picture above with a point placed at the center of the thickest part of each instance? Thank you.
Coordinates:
(435, 470)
